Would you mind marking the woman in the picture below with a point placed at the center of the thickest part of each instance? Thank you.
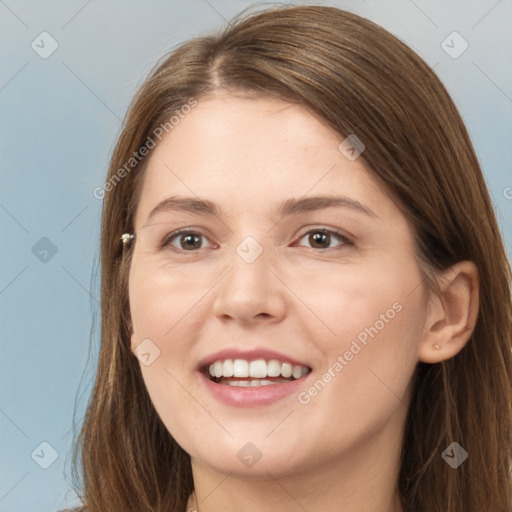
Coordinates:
(305, 298)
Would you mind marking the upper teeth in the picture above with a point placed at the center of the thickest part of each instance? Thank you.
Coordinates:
(258, 369)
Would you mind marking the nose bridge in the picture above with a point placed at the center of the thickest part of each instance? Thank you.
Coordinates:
(250, 288)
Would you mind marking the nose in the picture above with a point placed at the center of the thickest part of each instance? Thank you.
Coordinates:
(251, 292)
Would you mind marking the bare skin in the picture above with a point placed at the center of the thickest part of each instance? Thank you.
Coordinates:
(306, 296)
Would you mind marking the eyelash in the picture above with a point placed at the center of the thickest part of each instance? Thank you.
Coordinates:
(166, 242)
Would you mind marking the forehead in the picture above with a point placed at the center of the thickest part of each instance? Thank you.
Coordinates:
(250, 154)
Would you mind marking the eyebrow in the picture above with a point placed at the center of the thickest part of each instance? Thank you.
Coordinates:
(291, 206)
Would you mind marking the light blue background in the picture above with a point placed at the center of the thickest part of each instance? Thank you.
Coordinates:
(59, 120)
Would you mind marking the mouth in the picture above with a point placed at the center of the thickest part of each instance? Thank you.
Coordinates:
(253, 373)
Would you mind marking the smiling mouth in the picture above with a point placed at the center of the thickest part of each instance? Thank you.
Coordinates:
(254, 373)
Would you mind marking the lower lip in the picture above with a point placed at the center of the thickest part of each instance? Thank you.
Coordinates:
(252, 396)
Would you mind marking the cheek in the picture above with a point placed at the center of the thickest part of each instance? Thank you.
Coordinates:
(356, 302)
(166, 310)
(371, 324)
(157, 316)
(365, 376)
(163, 302)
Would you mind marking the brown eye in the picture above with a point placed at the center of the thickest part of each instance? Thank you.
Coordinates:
(185, 241)
(322, 239)
(191, 241)
(319, 239)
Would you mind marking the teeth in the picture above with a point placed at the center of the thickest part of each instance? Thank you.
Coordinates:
(257, 369)
(297, 372)
(228, 368)
(250, 383)
(286, 370)
(218, 368)
(273, 368)
(240, 368)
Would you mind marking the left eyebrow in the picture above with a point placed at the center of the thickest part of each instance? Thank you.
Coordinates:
(289, 207)
(308, 204)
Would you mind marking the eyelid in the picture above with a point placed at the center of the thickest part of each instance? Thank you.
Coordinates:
(345, 238)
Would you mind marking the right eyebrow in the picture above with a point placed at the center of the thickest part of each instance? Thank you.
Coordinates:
(186, 204)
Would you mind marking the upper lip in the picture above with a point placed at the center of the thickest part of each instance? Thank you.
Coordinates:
(249, 355)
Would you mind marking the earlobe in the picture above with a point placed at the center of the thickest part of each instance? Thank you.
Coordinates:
(452, 315)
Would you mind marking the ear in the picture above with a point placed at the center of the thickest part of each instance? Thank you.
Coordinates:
(452, 315)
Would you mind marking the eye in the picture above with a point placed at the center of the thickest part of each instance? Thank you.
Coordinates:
(190, 241)
(322, 238)
(187, 240)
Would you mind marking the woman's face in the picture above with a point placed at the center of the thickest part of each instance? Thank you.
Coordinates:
(293, 260)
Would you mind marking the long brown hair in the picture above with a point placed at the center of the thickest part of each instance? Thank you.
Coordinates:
(359, 79)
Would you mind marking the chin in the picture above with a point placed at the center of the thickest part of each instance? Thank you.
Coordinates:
(266, 468)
